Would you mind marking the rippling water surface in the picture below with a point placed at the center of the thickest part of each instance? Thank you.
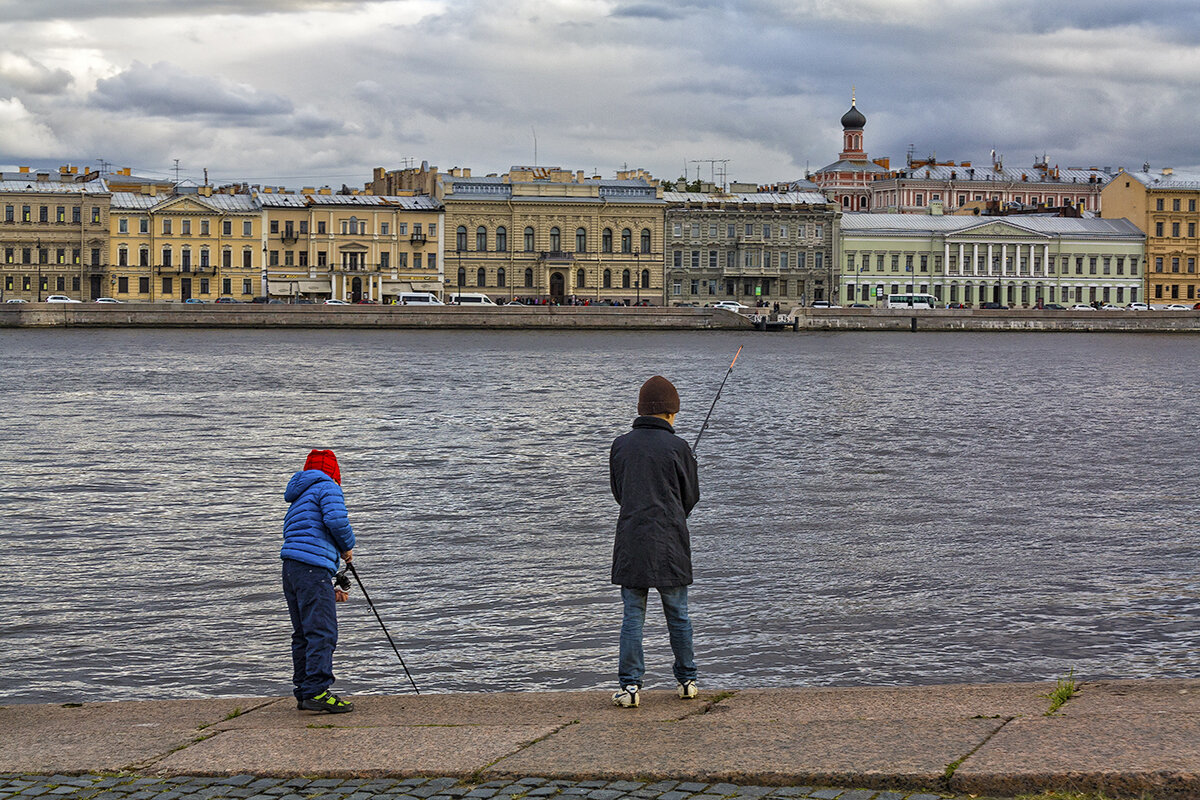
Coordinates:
(876, 509)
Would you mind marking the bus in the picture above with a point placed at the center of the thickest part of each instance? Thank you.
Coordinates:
(911, 301)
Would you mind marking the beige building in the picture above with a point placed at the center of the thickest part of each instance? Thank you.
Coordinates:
(53, 235)
(546, 234)
(173, 247)
(1164, 206)
(321, 245)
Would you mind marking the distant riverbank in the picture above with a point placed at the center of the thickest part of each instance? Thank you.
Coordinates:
(156, 315)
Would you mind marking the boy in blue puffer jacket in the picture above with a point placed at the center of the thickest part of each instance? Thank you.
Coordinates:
(316, 530)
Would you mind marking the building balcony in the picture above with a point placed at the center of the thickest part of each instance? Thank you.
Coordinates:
(558, 256)
(417, 239)
(288, 237)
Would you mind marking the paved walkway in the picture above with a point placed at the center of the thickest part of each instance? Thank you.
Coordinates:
(1123, 738)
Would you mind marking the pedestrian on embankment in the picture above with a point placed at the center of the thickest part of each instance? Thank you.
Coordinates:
(654, 479)
(316, 531)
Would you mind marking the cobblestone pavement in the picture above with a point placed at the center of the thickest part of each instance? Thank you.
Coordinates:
(252, 787)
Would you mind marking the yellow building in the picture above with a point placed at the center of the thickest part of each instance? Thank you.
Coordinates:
(174, 247)
(321, 245)
(53, 235)
(1164, 206)
(546, 233)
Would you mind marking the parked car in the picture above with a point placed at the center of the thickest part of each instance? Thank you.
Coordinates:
(108, 300)
(16, 300)
(227, 300)
(260, 300)
(366, 302)
(1111, 307)
(336, 302)
(956, 305)
(999, 306)
(824, 304)
(1176, 307)
(1144, 307)
(859, 305)
(419, 299)
(730, 305)
(1081, 307)
(61, 298)
(193, 301)
(470, 299)
(1053, 307)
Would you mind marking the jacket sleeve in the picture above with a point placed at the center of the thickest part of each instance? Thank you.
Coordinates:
(614, 479)
(337, 521)
(689, 481)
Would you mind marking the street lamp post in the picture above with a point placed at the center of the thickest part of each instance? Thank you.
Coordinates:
(37, 253)
(637, 266)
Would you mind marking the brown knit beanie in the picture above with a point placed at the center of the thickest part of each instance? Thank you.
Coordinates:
(658, 396)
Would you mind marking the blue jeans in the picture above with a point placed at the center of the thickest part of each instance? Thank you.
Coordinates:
(679, 626)
(309, 593)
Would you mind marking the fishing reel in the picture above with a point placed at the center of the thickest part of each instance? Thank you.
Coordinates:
(341, 580)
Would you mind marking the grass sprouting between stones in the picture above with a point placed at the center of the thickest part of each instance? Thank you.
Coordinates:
(1066, 688)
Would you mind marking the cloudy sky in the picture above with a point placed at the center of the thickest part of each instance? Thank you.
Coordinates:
(317, 92)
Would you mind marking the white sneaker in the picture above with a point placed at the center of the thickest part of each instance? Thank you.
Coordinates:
(629, 697)
(687, 690)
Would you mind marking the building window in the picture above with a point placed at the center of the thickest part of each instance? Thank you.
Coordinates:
(626, 241)
(122, 285)
(501, 278)
(646, 240)
(1158, 264)
(677, 258)
(247, 255)
(1175, 204)
(123, 225)
(580, 279)
(626, 280)
(166, 227)
(166, 286)
(385, 259)
(185, 227)
(606, 239)
(1174, 265)
(481, 239)
(481, 277)
(227, 258)
(580, 240)
(645, 279)
(555, 240)
(204, 227)
(528, 271)
(529, 246)
(607, 279)
(695, 259)
(204, 286)
(502, 239)
(712, 259)
(248, 228)
(1158, 228)
(227, 286)
(1175, 229)
(227, 227)
(460, 238)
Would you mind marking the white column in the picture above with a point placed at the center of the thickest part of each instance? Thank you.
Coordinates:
(975, 259)
(989, 259)
(1046, 260)
(1004, 260)
(962, 253)
(946, 260)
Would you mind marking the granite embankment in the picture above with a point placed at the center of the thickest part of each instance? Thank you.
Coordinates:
(179, 315)
(1122, 738)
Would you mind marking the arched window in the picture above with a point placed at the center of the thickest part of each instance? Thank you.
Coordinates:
(144, 257)
(645, 240)
(627, 241)
(625, 280)
(500, 276)
(353, 225)
(529, 276)
(529, 240)
(481, 277)
(460, 243)
(645, 279)
(462, 277)
(608, 279)
(555, 240)
(580, 279)
(606, 240)
(502, 239)
(481, 239)
(204, 257)
(580, 240)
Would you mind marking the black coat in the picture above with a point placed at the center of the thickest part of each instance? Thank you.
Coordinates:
(653, 475)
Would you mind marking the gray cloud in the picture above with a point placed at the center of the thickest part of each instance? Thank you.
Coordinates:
(165, 90)
(647, 11)
(24, 11)
(21, 73)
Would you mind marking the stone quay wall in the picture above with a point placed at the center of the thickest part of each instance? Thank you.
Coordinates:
(941, 319)
(148, 315)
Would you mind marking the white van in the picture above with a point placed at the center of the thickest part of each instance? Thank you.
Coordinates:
(468, 299)
(419, 299)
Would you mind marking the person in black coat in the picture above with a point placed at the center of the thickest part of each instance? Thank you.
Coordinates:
(653, 476)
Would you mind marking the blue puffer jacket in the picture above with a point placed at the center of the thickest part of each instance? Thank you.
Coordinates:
(316, 529)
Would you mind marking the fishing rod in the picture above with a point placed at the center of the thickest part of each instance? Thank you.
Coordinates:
(704, 427)
(354, 572)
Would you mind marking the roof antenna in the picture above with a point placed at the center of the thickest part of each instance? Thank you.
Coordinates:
(177, 172)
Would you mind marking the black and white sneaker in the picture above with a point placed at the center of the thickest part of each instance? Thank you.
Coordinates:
(687, 690)
(628, 697)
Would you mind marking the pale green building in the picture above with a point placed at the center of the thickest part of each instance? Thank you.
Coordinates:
(1016, 260)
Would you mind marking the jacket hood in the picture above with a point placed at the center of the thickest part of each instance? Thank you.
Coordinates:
(301, 481)
(645, 421)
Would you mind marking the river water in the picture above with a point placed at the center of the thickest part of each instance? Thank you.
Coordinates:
(876, 508)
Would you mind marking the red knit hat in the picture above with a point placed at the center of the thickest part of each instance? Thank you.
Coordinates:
(325, 461)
